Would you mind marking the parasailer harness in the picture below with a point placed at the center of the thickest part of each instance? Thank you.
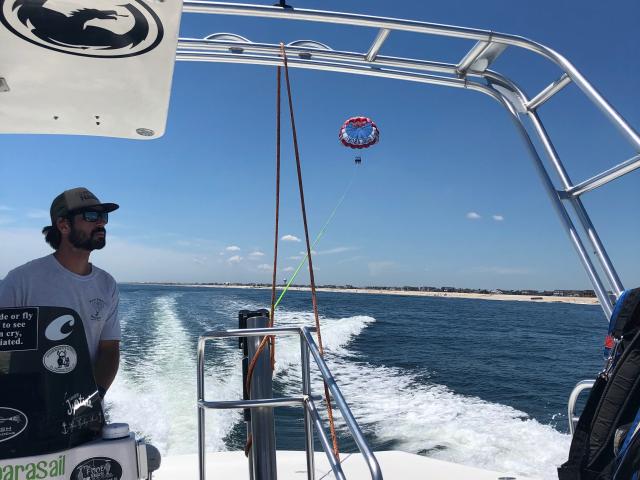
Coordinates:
(274, 303)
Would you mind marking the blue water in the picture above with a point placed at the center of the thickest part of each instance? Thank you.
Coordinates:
(473, 381)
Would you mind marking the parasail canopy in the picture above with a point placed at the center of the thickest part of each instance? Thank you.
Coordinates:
(359, 132)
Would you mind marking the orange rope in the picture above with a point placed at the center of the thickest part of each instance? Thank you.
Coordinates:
(270, 338)
(314, 301)
(275, 241)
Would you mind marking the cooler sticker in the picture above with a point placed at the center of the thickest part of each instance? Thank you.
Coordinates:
(18, 329)
(60, 328)
(60, 359)
(44, 469)
(81, 422)
(77, 402)
(104, 29)
(12, 423)
(98, 468)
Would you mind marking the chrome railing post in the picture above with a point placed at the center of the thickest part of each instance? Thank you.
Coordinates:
(580, 387)
(308, 421)
(308, 350)
(200, 387)
(349, 419)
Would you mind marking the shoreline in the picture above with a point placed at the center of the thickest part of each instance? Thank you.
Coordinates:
(371, 291)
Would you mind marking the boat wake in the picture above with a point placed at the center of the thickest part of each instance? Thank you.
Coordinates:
(396, 408)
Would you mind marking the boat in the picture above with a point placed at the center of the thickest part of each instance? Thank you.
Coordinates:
(97, 73)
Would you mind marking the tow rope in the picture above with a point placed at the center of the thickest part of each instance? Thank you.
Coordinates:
(308, 257)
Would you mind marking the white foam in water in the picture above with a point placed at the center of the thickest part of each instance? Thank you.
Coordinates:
(431, 419)
(157, 397)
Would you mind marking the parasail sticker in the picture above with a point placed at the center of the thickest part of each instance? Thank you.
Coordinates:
(12, 423)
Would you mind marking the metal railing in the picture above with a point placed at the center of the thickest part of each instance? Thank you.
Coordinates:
(580, 387)
(471, 72)
(305, 400)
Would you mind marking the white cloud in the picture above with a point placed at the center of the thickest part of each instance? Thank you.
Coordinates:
(234, 259)
(232, 248)
(290, 238)
(256, 254)
(264, 266)
(378, 268)
(38, 214)
(297, 257)
(4, 208)
(288, 269)
(500, 270)
(200, 260)
(498, 218)
(335, 250)
(473, 216)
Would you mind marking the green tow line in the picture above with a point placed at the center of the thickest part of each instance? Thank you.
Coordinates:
(317, 239)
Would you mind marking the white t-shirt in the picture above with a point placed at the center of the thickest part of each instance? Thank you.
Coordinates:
(45, 282)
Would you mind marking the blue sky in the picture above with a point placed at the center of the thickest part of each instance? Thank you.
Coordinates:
(448, 197)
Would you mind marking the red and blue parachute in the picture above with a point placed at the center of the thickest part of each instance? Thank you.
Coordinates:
(359, 132)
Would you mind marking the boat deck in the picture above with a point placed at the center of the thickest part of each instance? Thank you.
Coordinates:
(292, 466)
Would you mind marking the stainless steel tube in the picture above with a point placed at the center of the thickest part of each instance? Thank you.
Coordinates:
(583, 216)
(324, 440)
(201, 421)
(349, 419)
(308, 421)
(263, 449)
(573, 398)
(565, 219)
(338, 18)
(268, 402)
(605, 177)
(548, 92)
(375, 47)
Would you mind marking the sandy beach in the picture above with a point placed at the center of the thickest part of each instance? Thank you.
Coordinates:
(481, 296)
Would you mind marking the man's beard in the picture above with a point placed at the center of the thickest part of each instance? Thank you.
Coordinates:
(88, 242)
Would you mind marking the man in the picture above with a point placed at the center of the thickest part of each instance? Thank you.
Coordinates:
(67, 279)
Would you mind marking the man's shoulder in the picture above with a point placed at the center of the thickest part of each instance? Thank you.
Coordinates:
(103, 275)
(31, 266)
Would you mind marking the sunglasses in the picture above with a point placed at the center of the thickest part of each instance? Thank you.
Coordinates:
(92, 216)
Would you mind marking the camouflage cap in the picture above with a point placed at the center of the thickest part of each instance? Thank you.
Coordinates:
(77, 199)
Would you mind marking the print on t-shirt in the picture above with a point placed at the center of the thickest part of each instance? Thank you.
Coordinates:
(98, 304)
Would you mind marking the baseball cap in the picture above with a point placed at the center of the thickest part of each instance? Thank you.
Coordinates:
(77, 199)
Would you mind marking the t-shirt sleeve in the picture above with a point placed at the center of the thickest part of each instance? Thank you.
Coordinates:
(111, 329)
(10, 291)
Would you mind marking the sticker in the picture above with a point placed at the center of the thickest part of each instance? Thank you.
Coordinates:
(12, 423)
(76, 403)
(108, 29)
(18, 329)
(81, 422)
(98, 468)
(60, 359)
(60, 328)
(44, 469)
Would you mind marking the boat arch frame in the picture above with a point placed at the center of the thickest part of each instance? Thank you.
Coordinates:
(471, 72)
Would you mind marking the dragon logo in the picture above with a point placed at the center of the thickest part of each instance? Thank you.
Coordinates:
(106, 31)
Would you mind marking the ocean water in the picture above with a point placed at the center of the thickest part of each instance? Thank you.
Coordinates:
(477, 382)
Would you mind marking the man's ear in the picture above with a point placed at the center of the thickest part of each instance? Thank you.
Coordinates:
(64, 225)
